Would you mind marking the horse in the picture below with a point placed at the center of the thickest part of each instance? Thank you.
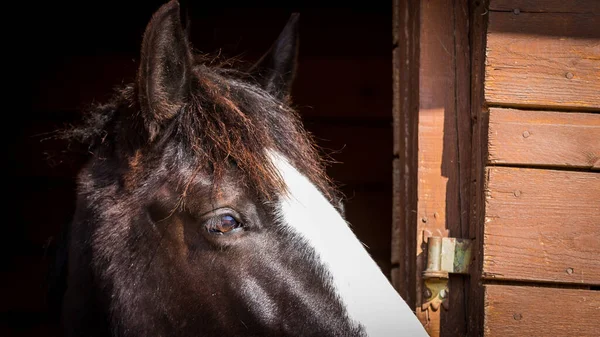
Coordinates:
(205, 209)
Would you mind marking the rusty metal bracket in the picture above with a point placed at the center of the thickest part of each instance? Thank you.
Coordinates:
(444, 256)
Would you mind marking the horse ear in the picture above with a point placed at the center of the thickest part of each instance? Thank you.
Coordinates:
(276, 69)
(164, 76)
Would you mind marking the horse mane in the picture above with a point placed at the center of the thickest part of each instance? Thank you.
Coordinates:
(229, 121)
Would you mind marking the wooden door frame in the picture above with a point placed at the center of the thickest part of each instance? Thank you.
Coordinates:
(438, 48)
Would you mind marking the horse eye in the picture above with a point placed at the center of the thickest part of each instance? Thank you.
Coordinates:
(223, 224)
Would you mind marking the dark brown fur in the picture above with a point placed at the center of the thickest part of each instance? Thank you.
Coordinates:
(185, 142)
(224, 100)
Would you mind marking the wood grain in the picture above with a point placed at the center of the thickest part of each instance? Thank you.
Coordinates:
(444, 147)
(436, 109)
(544, 60)
(542, 225)
(547, 6)
(405, 150)
(478, 27)
(532, 311)
(544, 138)
(454, 321)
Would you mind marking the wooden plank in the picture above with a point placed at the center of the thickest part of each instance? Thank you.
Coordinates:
(462, 65)
(532, 311)
(444, 134)
(478, 27)
(544, 60)
(542, 225)
(454, 321)
(544, 138)
(547, 6)
(405, 125)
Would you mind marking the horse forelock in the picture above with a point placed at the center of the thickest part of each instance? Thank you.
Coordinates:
(228, 122)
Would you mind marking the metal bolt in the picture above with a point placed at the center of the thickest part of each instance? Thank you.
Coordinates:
(569, 271)
(516, 11)
(424, 219)
(517, 193)
(443, 293)
(569, 75)
(427, 293)
(526, 134)
(517, 316)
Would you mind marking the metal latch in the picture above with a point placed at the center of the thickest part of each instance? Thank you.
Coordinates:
(444, 256)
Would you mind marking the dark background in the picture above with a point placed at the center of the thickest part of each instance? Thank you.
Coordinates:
(64, 56)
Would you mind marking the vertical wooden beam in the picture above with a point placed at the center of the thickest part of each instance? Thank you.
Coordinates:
(434, 123)
(405, 115)
(436, 109)
(454, 321)
(444, 137)
(478, 11)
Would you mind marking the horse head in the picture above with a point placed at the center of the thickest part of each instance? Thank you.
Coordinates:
(205, 209)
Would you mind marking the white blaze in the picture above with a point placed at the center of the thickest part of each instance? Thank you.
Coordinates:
(369, 298)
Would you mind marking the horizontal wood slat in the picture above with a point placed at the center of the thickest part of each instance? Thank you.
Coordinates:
(531, 311)
(547, 6)
(542, 225)
(518, 137)
(544, 60)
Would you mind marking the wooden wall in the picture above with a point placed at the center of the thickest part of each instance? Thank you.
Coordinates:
(540, 261)
(497, 140)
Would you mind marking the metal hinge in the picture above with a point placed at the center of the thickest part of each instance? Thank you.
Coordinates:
(445, 256)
